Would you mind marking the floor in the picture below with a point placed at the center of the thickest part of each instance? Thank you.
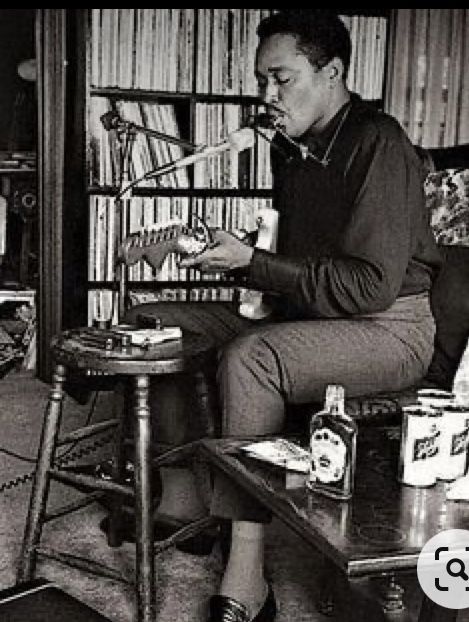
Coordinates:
(184, 582)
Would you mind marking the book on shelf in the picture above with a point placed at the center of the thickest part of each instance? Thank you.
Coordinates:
(225, 38)
(367, 61)
(147, 152)
(244, 170)
(127, 46)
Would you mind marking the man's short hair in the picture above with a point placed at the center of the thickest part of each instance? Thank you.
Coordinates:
(320, 34)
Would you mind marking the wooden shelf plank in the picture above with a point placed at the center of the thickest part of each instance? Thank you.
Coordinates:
(154, 96)
(185, 192)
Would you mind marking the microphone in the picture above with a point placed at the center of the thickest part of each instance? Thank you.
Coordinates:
(267, 119)
(238, 141)
(263, 120)
(112, 120)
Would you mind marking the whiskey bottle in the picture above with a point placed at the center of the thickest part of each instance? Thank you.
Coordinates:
(333, 437)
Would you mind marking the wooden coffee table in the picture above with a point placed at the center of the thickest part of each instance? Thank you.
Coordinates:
(380, 531)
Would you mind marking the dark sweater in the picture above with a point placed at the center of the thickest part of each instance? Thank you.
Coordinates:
(355, 234)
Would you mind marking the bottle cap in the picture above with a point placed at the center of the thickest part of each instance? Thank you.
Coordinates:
(335, 397)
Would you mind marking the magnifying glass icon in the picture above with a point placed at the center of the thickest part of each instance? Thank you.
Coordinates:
(458, 573)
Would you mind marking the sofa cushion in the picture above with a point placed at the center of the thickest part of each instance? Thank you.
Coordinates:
(450, 305)
(447, 198)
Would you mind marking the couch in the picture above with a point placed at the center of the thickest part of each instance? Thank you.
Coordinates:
(447, 196)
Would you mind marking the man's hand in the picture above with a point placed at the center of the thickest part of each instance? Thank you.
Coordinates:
(226, 253)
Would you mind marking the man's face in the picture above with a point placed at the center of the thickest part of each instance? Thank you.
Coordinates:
(298, 92)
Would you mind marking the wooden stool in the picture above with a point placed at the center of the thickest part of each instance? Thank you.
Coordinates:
(136, 364)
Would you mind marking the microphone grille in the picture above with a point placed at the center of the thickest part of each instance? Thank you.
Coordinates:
(264, 120)
(241, 139)
(110, 120)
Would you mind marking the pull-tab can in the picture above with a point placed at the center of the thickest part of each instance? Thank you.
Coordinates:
(452, 461)
(420, 445)
(436, 398)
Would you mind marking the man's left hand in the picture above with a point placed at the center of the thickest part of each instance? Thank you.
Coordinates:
(226, 252)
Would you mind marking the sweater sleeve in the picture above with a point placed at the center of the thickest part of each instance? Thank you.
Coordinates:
(365, 275)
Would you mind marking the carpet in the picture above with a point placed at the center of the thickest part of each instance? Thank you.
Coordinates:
(183, 582)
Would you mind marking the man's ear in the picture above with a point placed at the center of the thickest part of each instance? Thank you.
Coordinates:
(334, 70)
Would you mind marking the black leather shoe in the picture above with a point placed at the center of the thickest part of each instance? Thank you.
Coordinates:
(225, 609)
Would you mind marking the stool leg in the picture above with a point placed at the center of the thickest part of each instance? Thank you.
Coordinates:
(205, 401)
(145, 565)
(114, 537)
(326, 601)
(40, 491)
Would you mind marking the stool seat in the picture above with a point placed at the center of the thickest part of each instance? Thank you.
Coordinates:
(169, 357)
(80, 349)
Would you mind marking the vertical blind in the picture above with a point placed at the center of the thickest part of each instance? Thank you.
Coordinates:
(428, 75)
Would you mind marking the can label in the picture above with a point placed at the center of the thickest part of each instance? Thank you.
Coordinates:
(420, 446)
(454, 443)
(459, 442)
(426, 447)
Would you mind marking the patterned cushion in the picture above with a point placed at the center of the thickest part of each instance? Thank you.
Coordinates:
(447, 196)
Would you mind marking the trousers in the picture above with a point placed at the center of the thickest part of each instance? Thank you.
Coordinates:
(264, 366)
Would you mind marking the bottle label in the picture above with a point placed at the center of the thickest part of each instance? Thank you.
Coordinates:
(328, 456)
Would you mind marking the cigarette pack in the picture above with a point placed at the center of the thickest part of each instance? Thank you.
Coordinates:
(149, 336)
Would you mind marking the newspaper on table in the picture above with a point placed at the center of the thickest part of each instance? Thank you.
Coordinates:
(281, 452)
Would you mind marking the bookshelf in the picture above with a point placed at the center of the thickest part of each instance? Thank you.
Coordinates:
(186, 73)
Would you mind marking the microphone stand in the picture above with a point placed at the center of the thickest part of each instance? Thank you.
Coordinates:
(159, 135)
(111, 120)
(127, 140)
(126, 133)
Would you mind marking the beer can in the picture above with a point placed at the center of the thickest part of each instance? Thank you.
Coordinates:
(420, 445)
(435, 398)
(454, 428)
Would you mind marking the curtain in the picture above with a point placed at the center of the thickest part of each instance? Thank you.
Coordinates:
(50, 51)
(427, 86)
